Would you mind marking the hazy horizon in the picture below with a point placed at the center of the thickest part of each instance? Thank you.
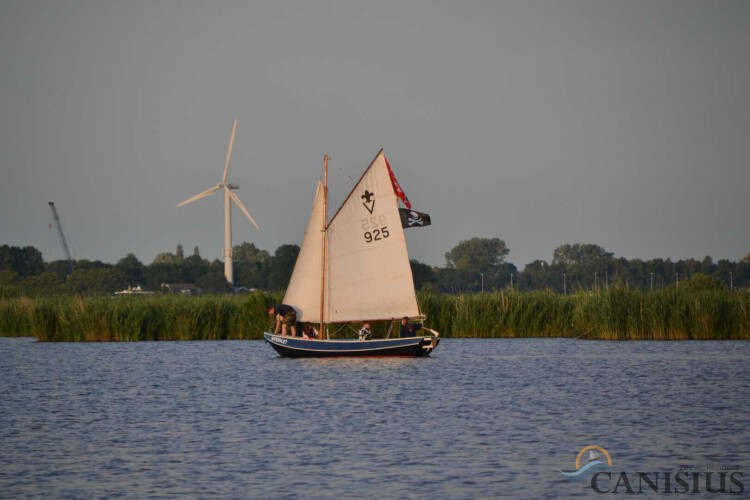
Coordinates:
(624, 124)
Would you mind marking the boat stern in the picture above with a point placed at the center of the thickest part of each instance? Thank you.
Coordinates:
(429, 344)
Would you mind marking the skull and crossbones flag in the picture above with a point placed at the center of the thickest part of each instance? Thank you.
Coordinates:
(412, 218)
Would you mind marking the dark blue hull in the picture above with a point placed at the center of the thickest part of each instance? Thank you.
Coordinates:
(296, 347)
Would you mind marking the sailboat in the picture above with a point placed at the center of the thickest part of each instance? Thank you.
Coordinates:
(355, 268)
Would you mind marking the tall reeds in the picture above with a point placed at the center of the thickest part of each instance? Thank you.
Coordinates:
(68, 319)
(616, 313)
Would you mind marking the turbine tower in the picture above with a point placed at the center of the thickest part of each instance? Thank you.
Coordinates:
(228, 194)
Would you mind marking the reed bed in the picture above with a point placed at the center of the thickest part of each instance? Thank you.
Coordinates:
(617, 313)
(95, 319)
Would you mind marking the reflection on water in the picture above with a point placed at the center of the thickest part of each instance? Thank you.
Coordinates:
(478, 418)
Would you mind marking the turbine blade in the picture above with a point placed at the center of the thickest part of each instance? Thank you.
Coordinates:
(229, 153)
(237, 201)
(198, 196)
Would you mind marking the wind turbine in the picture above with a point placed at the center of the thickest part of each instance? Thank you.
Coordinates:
(228, 194)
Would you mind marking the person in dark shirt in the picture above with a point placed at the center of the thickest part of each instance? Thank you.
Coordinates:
(285, 316)
(409, 329)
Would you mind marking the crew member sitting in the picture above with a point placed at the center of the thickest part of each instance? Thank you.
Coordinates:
(309, 332)
(365, 333)
(409, 329)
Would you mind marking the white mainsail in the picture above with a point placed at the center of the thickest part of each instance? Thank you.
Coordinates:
(368, 275)
(303, 291)
(368, 270)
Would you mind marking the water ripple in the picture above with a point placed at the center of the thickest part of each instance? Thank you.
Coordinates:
(480, 418)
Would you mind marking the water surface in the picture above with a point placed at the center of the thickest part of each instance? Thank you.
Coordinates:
(495, 417)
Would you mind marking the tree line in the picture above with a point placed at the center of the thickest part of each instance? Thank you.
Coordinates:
(479, 264)
(474, 265)
(24, 271)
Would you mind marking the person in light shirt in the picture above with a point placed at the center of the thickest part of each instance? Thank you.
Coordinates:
(365, 333)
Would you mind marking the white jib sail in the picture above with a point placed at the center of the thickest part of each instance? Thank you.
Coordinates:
(303, 292)
(368, 276)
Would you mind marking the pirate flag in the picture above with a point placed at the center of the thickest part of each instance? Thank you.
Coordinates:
(412, 218)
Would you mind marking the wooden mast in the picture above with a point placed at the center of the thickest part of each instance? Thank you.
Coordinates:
(325, 231)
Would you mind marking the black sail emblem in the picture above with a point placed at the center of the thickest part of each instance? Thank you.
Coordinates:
(369, 202)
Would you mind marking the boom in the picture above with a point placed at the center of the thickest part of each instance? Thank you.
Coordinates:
(60, 233)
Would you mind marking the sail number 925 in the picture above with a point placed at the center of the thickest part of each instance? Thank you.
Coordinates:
(376, 234)
(375, 228)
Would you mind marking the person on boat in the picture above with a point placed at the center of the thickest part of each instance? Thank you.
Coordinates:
(285, 316)
(409, 329)
(365, 333)
(309, 332)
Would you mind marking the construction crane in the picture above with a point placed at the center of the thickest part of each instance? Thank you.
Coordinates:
(60, 233)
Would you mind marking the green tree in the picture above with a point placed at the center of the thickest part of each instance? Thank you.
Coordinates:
(213, 282)
(43, 284)
(58, 267)
(700, 281)
(157, 274)
(583, 262)
(726, 271)
(451, 280)
(192, 268)
(281, 266)
(478, 255)
(251, 266)
(422, 273)
(25, 261)
(741, 274)
(252, 274)
(248, 252)
(633, 273)
(165, 258)
(539, 275)
(579, 254)
(180, 254)
(132, 268)
(96, 281)
(663, 272)
(477, 261)
(92, 264)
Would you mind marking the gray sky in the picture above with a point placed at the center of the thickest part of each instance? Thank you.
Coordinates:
(620, 123)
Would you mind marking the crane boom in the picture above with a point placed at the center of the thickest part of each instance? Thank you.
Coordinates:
(61, 234)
